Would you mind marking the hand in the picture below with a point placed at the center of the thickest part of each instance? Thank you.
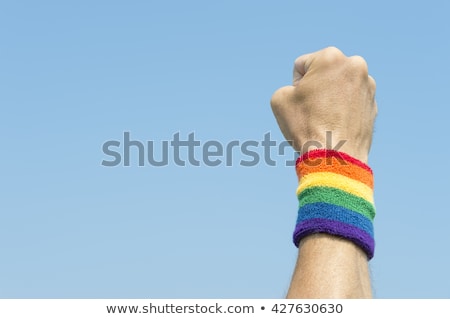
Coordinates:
(330, 92)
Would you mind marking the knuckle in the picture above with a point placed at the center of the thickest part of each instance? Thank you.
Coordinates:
(332, 55)
(333, 50)
(359, 65)
(298, 60)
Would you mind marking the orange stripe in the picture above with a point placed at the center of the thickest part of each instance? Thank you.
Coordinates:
(334, 165)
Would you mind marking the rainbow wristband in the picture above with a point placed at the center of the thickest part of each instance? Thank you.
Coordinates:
(335, 195)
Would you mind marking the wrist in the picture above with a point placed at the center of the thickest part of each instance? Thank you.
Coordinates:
(333, 140)
(335, 196)
(343, 146)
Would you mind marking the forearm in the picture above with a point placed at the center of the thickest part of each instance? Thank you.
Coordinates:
(332, 99)
(330, 267)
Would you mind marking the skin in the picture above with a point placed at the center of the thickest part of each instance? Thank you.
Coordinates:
(330, 92)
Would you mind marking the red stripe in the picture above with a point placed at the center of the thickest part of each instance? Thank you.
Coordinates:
(323, 153)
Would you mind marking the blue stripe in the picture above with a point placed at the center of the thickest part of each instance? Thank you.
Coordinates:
(336, 213)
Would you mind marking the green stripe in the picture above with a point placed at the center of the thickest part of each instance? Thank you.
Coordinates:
(331, 195)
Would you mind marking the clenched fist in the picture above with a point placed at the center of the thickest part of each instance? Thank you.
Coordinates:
(330, 92)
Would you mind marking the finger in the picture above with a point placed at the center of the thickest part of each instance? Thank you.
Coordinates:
(301, 66)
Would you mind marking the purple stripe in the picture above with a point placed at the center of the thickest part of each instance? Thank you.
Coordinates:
(333, 227)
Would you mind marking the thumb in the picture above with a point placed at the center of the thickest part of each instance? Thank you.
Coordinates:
(281, 98)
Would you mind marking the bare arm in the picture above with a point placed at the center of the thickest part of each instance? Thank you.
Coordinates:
(330, 267)
(330, 93)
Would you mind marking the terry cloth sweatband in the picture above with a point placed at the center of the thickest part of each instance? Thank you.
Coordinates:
(335, 195)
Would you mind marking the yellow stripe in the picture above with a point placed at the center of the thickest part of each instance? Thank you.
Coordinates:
(337, 181)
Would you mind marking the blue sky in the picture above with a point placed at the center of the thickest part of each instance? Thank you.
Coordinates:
(75, 74)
